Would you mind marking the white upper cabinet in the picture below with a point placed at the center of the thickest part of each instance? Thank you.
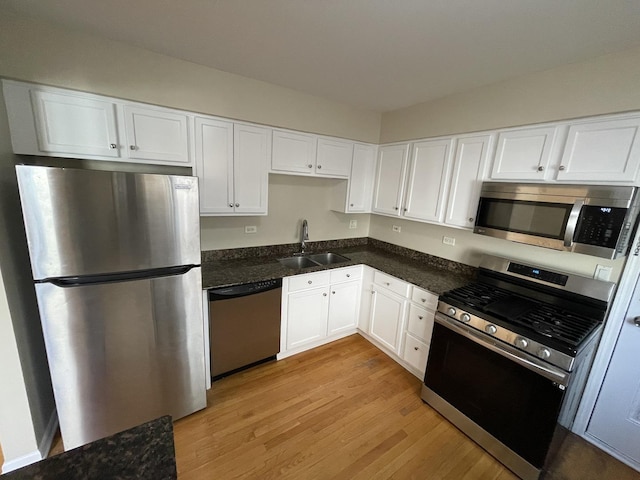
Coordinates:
(333, 158)
(72, 124)
(389, 181)
(360, 188)
(427, 181)
(156, 134)
(469, 169)
(293, 152)
(305, 154)
(601, 151)
(524, 154)
(232, 165)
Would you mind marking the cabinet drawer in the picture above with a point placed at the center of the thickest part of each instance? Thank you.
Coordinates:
(310, 280)
(415, 353)
(391, 283)
(345, 274)
(424, 298)
(420, 323)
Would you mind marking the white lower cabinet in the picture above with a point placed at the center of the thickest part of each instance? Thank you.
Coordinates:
(401, 321)
(318, 308)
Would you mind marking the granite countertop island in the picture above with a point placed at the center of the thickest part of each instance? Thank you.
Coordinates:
(223, 268)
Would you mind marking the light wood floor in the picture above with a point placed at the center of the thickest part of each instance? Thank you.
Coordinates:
(343, 411)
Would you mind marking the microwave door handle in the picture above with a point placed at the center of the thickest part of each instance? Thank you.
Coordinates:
(572, 222)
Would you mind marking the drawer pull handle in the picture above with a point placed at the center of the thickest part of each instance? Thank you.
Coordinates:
(112, 146)
(333, 293)
(420, 317)
(348, 275)
(309, 282)
(324, 294)
(387, 283)
(423, 300)
(416, 348)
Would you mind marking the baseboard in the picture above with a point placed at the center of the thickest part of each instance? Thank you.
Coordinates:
(611, 451)
(47, 438)
(43, 448)
(22, 461)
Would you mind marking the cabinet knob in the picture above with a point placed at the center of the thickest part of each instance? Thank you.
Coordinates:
(471, 219)
(112, 146)
(231, 205)
(416, 348)
(309, 282)
(348, 275)
(310, 166)
(333, 293)
(237, 204)
(540, 168)
(562, 167)
(404, 209)
(423, 300)
(351, 204)
(319, 167)
(387, 283)
(133, 147)
(395, 208)
(420, 317)
(324, 294)
(636, 321)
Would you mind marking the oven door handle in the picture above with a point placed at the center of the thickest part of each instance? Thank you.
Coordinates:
(572, 222)
(554, 374)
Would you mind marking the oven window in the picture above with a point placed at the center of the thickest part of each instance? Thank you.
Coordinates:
(535, 218)
(515, 405)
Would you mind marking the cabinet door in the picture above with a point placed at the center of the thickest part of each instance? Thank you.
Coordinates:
(602, 151)
(307, 312)
(334, 158)
(469, 167)
(523, 154)
(387, 315)
(428, 180)
(389, 183)
(156, 134)
(252, 148)
(75, 124)
(343, 306)
(214, 165)
(360, 187)
(293, 152)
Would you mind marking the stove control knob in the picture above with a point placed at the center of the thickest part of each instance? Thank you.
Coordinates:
(465, 317)
(544, 353)
(451, 311)
(521, 342)
(491, 329)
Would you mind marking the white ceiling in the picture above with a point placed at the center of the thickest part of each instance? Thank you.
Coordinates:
(374, 54)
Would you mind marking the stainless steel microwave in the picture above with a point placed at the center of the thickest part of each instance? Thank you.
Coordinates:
(594, 220)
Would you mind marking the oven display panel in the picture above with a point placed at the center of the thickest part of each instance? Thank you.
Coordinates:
(532, 272)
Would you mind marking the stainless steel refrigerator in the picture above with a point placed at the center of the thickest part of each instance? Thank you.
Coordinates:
(116, 263)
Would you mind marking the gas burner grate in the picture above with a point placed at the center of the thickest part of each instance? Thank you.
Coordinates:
(477, 295)
(557, 323)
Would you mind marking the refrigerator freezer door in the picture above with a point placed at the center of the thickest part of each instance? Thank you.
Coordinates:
(121, 354)
(87, 222)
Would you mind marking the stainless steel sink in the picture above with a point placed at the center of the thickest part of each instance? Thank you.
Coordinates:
(314, 260)
(328, 258)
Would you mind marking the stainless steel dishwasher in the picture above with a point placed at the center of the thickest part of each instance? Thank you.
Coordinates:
(244, 325)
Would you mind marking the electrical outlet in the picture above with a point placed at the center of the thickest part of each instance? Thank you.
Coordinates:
(396, 228)
(353, 224)
(250, 229)
(449, 241)
(602, 273)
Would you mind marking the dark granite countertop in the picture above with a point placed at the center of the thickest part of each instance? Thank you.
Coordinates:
(237, 266)
(145, 451)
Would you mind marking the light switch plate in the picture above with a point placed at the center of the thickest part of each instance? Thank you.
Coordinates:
(250, 229)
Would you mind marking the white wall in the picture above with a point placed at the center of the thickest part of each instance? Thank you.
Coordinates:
(605, 84)
(34, 51)
(291, 199)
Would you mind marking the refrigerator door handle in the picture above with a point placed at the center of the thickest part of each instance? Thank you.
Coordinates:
(117, 277)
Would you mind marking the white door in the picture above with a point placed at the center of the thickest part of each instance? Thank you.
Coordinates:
(523, 154)
(75, 124)
(154, 134)
(214, 165)
(334, 158)
(468, 172)
(427, 184)
(387, 314)
(598, 151)
(343, 306)
(616, 417)
(307, 312)
(252, 149)
(389, 183)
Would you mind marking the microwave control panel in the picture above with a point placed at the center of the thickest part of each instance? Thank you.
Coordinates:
(601, 226)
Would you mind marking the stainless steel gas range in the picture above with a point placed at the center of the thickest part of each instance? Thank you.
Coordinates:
(510, 355)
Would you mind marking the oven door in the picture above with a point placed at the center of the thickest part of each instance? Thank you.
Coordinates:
(505, 400)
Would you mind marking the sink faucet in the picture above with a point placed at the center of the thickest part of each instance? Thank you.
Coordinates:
(304, 235)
